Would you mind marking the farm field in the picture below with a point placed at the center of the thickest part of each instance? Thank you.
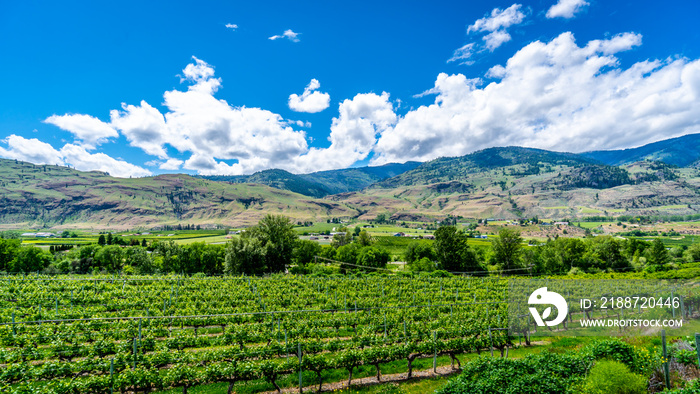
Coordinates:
(170, 332)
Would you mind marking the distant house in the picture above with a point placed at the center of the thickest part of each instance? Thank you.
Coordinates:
(428, 236)
(561, 223)
(400, 235)
(38, 235)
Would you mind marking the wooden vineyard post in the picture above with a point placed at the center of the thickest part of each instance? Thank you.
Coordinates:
(667, 372)
(697, 346)
(111, 376)
(134, 353)
(682, 309)
(434, 353)
(300, 380)
(491, 341)
(384, 325)
(673, 308)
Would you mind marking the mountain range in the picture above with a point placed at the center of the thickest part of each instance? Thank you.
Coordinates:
(509, 182)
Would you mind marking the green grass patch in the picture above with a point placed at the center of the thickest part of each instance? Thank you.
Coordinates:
(588, 210)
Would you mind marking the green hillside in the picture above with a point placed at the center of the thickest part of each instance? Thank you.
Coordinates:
(505, 183)
(45, 195)
(447, 169)
(511, 183)
(682, 152)
(322, 183)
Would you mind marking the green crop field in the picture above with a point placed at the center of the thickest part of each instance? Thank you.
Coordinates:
(140, 333)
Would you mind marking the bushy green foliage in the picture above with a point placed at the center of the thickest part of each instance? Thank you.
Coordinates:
(8, 250)
(417, 251)
(277, 236)
(614, 377)
(692, 387)
(305, 252)
(639, 359)
(245, 255)
(686, 357)
(506, 249)
(452, 251)
(422, 265)
(537, 374)
(30, 259)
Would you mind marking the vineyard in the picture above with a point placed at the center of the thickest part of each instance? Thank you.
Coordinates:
(104, 334)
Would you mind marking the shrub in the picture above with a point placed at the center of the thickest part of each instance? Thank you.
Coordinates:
(541, 373)
(614, 377)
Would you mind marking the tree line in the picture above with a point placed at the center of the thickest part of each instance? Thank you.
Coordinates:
(273, 246)
(508, 255)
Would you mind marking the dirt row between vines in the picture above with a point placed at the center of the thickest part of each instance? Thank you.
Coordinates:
(372, 380)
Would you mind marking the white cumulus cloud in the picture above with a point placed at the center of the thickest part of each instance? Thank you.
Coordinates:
(554, 95)
(498, 19)
(81, 159)
(171, 164)
(210, 129)
(463, 54)
(566, 8)
(231, 26)
(353, 133)
(89, 130)
(496, 24)
(288, 34)
(143, 126)
(38, 152)
(495, 39)
(31, 150)
(311, 100)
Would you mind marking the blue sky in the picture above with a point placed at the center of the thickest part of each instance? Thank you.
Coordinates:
(143, 88)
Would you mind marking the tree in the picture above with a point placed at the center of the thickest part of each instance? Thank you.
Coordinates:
(418, 250)
(452, 251)
(101, 240)
(658, 255)
(364, 239)
(506, 249)
(245, 255)
(137, 257)
(423, 264)
(370, 256)
(8, 251)
(144, 243)
(212, 258)
(110, 258)
(692, 254)
(30, 259)
(278, 238)
(342, 237)
(305, 251)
